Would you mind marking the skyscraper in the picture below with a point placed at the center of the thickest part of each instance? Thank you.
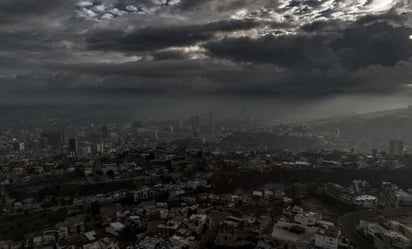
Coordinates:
(18, 146)
(73, 146)
(100, 148)
(64, 136)
(105, 131)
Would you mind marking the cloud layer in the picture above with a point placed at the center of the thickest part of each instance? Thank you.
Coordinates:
(291, 47)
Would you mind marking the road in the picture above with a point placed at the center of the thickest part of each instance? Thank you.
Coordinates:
(350, 220)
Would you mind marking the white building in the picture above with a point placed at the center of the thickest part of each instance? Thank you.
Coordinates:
(365, 201)
(307, 219)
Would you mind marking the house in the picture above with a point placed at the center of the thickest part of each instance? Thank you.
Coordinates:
(108, 243)
(108, 214)
(199, 222)
(92, 245)
(144, 193)
(38, 242)
(268, 194)
(257, 194)
(74, 225)
(232, 222)
(4, 244)
(306, 219)
(274, 190)
(115, 228)
(90, 235)
(49, 237)
(170, 227)
(340, 193)
(327, 239)
(149, 243)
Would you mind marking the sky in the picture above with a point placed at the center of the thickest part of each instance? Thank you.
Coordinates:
(300, 50)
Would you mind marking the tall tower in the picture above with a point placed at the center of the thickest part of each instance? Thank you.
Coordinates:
(105, 131)
(73, 146)
(65, 136)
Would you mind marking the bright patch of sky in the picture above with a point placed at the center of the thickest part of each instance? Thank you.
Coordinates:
(104, 10)
(301, 12)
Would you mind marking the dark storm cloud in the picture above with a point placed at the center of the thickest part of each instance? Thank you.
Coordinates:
(147, 39)
(276, 46)
(153, 38)
(206, 74)
(170, 55)
(375, 44)
(327, 59)
(23, 41)
(18, 11)
(354, 47)
(286, 51)
(27, 7)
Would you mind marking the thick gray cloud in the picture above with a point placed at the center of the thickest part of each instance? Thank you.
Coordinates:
(284, 47)
(298, 51)
(15, 8)
(154, 38)
(29, 12)
(353, 48)
(374, 44)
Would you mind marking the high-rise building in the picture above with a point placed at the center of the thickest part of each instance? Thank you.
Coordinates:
(105, 131)
(86, 150)
(395, 147)
(64, 136)
(18, 147)
(73, 146)
(100, 148)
